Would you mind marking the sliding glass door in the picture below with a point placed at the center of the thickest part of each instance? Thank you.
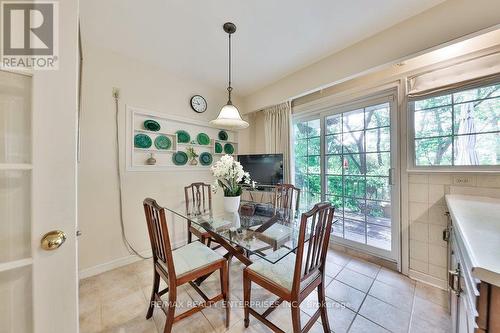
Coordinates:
(346, 156)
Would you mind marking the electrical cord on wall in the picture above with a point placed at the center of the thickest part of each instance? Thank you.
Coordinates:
(128, 246)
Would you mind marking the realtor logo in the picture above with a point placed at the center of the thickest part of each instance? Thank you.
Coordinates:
(29, 35)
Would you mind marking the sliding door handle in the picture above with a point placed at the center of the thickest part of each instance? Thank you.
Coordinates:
(391, 176)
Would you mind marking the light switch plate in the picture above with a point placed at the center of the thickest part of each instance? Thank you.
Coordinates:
(463, 180)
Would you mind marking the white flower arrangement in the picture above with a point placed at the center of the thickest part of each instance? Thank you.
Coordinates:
(228, 175)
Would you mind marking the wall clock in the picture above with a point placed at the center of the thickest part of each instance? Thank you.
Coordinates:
(198, 104)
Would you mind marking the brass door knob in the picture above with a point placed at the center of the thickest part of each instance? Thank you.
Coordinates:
(53, 240)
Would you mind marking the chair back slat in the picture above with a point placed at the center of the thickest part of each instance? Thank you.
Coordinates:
(198, 197)
(287, 197)
(314, 238)
(158, 235)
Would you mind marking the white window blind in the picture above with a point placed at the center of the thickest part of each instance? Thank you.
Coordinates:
(460, 76)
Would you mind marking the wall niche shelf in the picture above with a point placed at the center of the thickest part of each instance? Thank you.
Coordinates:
(136, 157)
(223, 143)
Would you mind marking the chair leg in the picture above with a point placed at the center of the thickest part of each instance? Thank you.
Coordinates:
(323, 307)
(209, 242)
(154, 291)
(296, 317)
(224, 284)
(170, 310)
(190, 236)
(247, 289)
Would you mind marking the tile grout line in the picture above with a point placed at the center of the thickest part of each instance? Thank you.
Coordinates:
(367, 294)
(412, 307)
(361, 305)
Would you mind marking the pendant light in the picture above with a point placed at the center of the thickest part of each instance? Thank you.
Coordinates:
(229, 117)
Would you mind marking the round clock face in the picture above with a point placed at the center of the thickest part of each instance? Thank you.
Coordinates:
(198, 103)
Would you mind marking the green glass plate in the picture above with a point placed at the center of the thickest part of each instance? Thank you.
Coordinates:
(228, 148)
(223, 135)
(163, 142)
(152, 125)
(218, 148)
(203, 139)
(179, 158)
(206, 158)
(142, 141)
(183, 136)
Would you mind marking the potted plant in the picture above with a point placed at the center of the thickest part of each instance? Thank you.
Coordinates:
(228, 175)
(191, 153)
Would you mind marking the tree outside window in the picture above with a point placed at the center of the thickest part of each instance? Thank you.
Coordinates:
(458, 129)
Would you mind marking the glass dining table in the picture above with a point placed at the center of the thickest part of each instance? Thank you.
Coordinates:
(256, 231)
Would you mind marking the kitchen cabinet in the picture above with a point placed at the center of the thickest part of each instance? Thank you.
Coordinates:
(473, 280)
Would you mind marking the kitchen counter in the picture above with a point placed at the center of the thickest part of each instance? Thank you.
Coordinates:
(477, 220)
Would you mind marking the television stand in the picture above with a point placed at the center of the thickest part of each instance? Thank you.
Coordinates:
(259, 188)
(266, 193)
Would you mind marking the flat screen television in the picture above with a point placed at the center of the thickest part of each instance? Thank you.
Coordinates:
(265, 169)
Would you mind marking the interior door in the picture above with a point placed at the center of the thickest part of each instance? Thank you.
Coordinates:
(38, 112)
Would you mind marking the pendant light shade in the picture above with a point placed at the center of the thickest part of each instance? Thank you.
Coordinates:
(229, 117)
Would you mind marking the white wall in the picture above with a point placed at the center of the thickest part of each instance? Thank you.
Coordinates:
(147, 87)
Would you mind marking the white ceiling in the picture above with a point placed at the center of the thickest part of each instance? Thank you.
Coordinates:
(273, 39)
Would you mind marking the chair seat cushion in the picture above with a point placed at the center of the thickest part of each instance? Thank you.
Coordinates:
(276, 232)
(280, 273)
(193, 256)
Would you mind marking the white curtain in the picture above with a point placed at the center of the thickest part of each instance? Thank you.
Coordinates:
(278, 139)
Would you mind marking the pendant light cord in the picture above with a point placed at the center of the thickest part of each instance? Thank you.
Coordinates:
(229, 88)
(127, 244)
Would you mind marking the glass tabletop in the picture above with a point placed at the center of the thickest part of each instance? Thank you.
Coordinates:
(259, 229)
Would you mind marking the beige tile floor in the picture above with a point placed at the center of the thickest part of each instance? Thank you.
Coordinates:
(362, 297)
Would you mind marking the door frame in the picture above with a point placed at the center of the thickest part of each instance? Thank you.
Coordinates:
(328, 107)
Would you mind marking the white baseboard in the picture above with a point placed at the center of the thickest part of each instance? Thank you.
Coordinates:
(428, 279)
(119, 262)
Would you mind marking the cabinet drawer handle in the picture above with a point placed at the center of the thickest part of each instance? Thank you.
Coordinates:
(454, 281)
(446, 234)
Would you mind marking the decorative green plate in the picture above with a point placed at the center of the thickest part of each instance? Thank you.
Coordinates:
(203, 139)
(183, 136)
(163, 142)
(179, 158)
(228, 148)
(223, 135)
(206, 158)
(142, 141)
(218, 148)
(152, 125)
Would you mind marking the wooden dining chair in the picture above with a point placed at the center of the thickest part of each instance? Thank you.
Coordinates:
(198, 197)
(294, 285)
(286, 197)
(286, 203)
(180, 266)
